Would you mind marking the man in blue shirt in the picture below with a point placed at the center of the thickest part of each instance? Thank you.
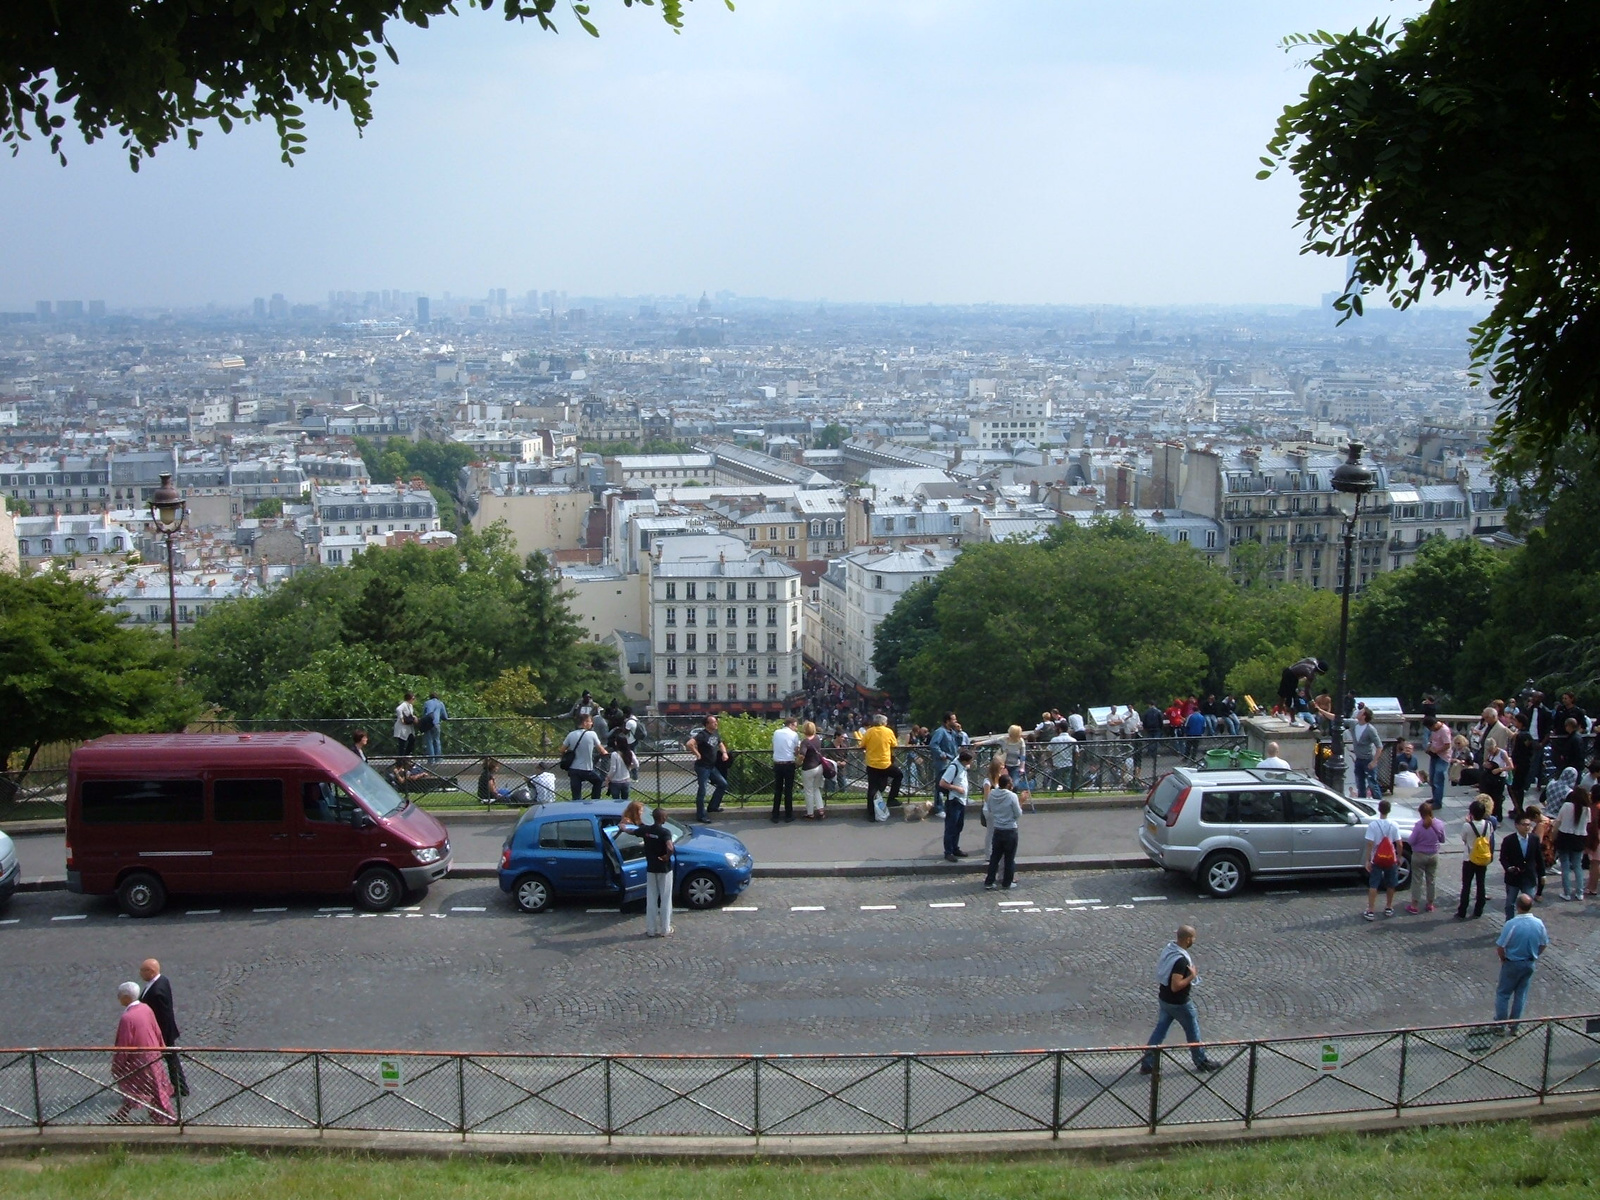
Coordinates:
(433, 716)
(945, 744)
(1520, 942)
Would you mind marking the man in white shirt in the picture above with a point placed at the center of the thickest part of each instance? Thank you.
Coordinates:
(1075, 725)
(405, 725)
(952, 787)
(1272, 762)
(1381, 859)
(785, 741)
(1062, 748)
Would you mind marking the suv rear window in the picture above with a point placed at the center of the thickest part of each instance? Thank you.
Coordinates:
(1165, 793)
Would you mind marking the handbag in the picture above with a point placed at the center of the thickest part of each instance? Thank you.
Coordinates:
(569, 755)
(830, 769)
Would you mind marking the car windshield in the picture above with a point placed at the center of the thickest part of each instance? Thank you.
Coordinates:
(373, 790)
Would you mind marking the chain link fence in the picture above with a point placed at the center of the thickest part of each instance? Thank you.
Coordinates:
(895, 1095)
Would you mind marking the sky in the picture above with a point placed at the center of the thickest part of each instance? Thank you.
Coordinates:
(924, 151)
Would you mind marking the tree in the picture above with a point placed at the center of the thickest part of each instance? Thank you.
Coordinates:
(272, 506)
(70, 670)
(831, 436)
(901, 635)
(1463, 151)
(1409, 626)
(152, 70)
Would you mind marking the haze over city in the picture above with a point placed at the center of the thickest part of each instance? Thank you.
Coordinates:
(937, 152)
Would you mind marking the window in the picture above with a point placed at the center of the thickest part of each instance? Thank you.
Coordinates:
(567, 835)
(733, 666)
(754, 533)
(143, 802)
(672, 616)
(816, 529)
(750, 692)
(689, 642)
(247, 800)
(94, 543)
(711, 641)
(672, 691)
(749, 641)
(711, 666)
(772, 533)
(749, 616)
(694, 666)
(772, 642)
(750, 590)
(672, 591)
(711, 614)
(828, 527)
(689, 615)
(772, 591)
(877, 582)
(749, 666)
(693, 693)
(672, 666)
(772, 666)
(792, 531)
(772, 615)
(689, 591)
(1211, 539)
(772, 691)
(326, 803)
(732, 613)
(1315, 808)
(732, 592)
(1260, 808)
(45, 545)
(1183, 535)
(672, 642)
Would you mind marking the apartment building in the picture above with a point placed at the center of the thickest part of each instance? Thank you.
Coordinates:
(853, 597)
(349, 509)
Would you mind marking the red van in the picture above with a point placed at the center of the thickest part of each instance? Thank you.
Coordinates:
(149, 815)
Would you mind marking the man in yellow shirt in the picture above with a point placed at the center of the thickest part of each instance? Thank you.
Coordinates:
(879, 741)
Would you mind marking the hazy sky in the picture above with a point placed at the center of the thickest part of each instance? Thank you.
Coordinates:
(917, 150)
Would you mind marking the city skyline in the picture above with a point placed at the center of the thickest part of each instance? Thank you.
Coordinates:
(1051, 155)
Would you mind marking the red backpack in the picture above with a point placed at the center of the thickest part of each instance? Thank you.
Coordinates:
(1383, 854)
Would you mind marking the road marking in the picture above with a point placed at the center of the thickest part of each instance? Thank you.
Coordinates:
(1099, 907)
(10, 921)
(269, 910)
(1015, 903)
(740, 908)
(334, 909)
(410, 915)
(347, 916)
(587, 910)
(1142, 899)
(879, 907)
(948, 904)
(411, 908)
(73, 917)
(1052, 910)
(480, 908)
(1283, 892)
(1124, 906)
(369, 916)
(1030, 910)
(807, 908)
(202, 912)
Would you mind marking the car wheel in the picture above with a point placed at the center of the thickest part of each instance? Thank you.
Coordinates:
(1224, 874)
(378, 889)
(702, 890)
(1402, 872)
(141, 895)
(533, 893)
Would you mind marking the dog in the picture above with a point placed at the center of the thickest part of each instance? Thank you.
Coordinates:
(916, 810)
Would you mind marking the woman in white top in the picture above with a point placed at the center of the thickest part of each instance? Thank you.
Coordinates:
(1016, 751)
(1572, 835)
(619, 768)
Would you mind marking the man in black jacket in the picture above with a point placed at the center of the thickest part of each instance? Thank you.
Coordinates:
(1523, 862)
(157, 994)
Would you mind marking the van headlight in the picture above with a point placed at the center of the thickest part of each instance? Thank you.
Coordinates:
(428, 854)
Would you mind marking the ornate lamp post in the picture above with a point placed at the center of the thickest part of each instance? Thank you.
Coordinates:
(1350, 478)
(167, 512)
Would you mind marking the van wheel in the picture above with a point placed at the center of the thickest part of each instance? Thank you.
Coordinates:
(1224, 874)
(378, 889)
(532, 893)
(141, 895)
(702, 890)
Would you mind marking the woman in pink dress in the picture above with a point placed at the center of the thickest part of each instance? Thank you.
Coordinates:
(137, 1071)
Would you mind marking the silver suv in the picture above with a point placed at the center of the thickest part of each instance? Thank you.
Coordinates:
(1220, 828)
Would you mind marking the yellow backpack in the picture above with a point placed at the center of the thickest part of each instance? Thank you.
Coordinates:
(1482, 852)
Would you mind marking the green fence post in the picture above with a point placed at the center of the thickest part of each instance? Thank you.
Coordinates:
(461, 1094)
(905, 1124)
(1155, 1090)
(1055, 1104)
(1544, 1074)
(1250, 1088)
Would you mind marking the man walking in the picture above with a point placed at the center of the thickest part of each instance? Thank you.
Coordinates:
(1002, 810)
(429, 723)
(1366, 746)
(1440, 744)
(1522, 859)
(156, 991)
(1519, 945)
(785, 741)
(1175, 982)
(944, 743)
(879, 742)
(710, 759)
(658, 847)
(953, 787)
(1382, 860)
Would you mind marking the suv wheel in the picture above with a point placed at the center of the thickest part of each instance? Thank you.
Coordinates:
(1224, 874)
(378, 889)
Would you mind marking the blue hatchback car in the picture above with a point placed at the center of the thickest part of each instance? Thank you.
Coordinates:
(572, 849)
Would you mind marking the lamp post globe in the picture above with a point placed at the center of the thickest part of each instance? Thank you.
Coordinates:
(1350, 478)
(167, 512)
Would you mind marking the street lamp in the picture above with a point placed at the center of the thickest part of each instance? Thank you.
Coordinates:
(1350, 478)
(167, 511)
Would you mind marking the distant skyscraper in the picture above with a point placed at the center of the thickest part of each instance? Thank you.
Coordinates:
(500, 299)
(277, 307)
(258, 308)
(533, 300)
(69, 308)
(422, 310)
(42, 307)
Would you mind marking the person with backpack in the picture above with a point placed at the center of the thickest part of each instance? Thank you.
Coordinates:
(1382, 860)
(944, 742)
(1427, 839)
(1522, 860)
(1477, 839)
(429, 724)
(953, 786)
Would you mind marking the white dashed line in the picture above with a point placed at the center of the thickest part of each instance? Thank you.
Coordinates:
(348, 916)
(879, 907)
(10, 921)
(741, 908)
(1075, 900)
(807, 908)
(1015, 903)
(1099, 907)
(73, 917)
(948, 904)
(1031, 910)
(202, 912)
(1053, 910)
(1283, 892)
(587, 910)
(1142, 899)
(334, 909)
(1124, 906)
(412, 908)
(481, 908)
(269, 910)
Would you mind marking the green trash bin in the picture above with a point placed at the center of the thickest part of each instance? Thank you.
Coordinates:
(1219, 759)
(1249, 758)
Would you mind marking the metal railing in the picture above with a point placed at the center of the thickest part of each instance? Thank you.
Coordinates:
(753, 1096)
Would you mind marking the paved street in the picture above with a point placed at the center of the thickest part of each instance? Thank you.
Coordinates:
(797, 964)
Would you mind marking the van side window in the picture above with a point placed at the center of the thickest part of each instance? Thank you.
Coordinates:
(323, 801)
(240, 800)
(1260, 808)
(567, 835)
(143, 802)
(1214, 808)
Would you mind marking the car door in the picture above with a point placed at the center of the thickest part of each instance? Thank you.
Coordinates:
(569, 854)
(1260, 818)
(328, 846)
(250, 835)
(629, 860)
(1325, 838)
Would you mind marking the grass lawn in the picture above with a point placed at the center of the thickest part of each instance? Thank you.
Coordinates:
(1480, 1160)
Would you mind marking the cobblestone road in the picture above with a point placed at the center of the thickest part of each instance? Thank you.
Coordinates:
(796, 965)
